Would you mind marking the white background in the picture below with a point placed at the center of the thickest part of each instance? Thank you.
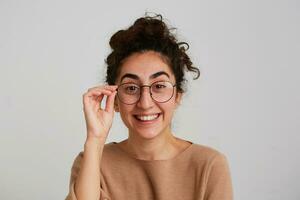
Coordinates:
(245, 104)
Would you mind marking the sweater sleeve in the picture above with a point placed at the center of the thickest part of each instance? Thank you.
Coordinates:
(219, 184)
(74, 174)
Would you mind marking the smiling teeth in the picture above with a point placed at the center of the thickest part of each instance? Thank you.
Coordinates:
(147, 117)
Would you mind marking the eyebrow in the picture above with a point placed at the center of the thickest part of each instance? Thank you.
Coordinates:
(153, 76)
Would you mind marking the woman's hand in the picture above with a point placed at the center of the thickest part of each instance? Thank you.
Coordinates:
(98, 120)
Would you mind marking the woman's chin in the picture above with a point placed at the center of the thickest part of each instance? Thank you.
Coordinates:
(146, 134)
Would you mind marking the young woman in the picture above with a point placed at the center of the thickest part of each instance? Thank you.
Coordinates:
(145, 77)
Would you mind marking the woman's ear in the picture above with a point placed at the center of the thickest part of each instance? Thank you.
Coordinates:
(178, 98)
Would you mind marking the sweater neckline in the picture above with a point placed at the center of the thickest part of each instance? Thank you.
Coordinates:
(179, 155)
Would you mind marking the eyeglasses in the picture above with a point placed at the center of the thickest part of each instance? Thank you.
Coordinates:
(160, 91)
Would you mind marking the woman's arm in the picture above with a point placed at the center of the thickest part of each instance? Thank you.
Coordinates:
(85, 178)
(87, 185)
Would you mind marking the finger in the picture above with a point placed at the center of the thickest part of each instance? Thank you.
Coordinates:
(99, 100)
(113, 87)
(99, 89)
(106, 87)
(98, 106)
(94, 94)
(109, 107)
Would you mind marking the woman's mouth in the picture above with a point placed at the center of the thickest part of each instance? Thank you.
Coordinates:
(147, 118)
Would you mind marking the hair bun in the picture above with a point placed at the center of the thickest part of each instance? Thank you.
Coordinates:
(151, 27)
(144, 29)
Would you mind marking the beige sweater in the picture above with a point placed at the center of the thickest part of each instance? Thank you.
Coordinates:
(197, 173)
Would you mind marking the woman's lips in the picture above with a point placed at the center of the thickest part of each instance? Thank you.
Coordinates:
(147, 118)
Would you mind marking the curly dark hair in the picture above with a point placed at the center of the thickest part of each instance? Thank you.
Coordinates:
(149, 33)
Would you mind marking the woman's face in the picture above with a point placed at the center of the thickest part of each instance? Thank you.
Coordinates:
(146, 118)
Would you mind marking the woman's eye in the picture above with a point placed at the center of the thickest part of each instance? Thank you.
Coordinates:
(131, 89)
(159, 86)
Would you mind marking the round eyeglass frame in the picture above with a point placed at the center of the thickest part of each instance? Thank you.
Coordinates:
(149, 86)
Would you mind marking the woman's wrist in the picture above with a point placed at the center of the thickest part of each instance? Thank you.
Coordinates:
(94, 142)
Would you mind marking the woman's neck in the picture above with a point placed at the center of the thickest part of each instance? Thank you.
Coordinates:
(162, 147)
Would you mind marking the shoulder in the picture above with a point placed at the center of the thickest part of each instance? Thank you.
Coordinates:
(78, 159)
(112, 154)
(110, 149)
(207, 156)
(216, 172)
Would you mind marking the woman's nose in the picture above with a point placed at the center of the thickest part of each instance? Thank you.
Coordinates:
(145, 100)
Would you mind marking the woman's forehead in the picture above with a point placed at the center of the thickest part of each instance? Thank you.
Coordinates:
(145, 66)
